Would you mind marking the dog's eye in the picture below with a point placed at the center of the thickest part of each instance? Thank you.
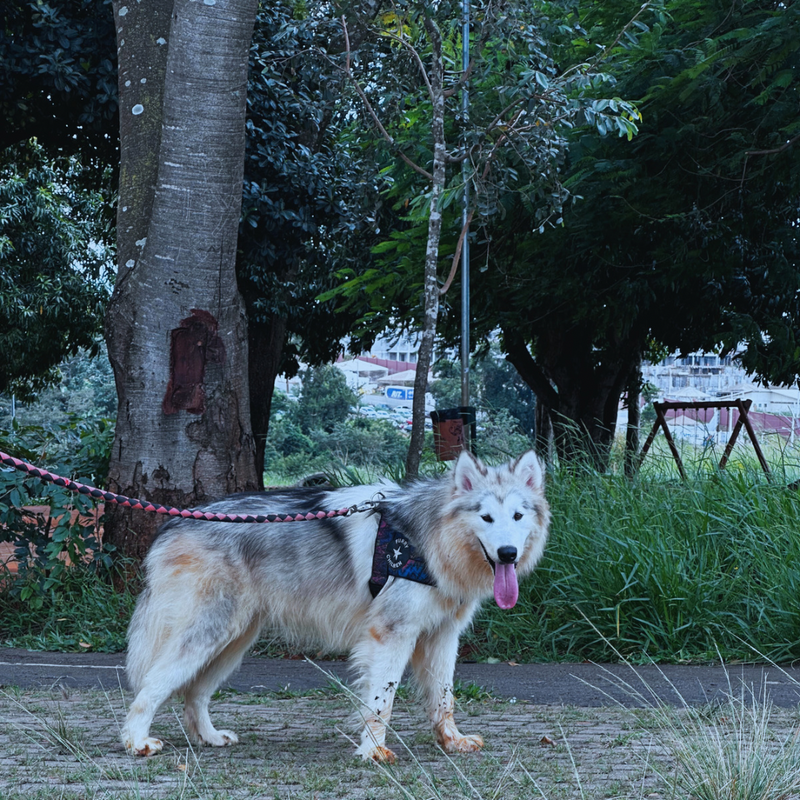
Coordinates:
(517, 516)
(487, 518)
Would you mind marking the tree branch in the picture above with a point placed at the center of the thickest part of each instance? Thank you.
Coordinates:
(774, 150)
(457, 256)
(519, 356)
(378, 124)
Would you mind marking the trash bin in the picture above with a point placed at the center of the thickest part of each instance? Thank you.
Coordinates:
(453, 431)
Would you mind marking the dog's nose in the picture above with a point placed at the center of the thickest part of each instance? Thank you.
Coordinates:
(507, 555)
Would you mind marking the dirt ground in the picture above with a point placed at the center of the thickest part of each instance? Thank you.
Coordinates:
(64, 743)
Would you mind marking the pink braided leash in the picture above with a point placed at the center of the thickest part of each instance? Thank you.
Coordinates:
(127, 502)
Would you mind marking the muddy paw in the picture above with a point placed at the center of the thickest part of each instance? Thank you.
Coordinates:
(147, 747)
(377, 753)
(462, 744)
(221, 739)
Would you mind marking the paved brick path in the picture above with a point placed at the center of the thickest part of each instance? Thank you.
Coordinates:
(551, 730)
(65, 744)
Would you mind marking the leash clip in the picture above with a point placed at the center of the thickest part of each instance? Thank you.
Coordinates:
(367, 505)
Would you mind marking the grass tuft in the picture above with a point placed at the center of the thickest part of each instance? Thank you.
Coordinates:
(732, 756)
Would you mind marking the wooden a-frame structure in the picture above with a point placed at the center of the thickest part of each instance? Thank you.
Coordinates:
(742, 406)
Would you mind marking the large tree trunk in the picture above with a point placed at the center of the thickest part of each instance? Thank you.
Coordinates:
(634, 392)
(431, 280)
(544, 432)
(176, 328)
(580, 389)
(266, 351)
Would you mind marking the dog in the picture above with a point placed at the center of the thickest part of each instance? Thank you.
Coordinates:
(395, 584)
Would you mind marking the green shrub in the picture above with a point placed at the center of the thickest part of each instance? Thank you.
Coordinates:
(83, 609)
(326, 399)
(501, 437)
(44, 547)
(287, 439)
(364, 442)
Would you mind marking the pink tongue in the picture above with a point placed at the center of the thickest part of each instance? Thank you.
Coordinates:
(506, 588)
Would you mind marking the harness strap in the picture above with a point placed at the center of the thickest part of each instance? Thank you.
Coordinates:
(395, 555)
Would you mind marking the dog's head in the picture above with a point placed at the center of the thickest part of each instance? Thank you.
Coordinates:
(505, 510)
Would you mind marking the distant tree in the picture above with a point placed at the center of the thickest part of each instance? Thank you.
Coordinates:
(84, 389)
(54, 268)
(326, 399)
(511, 142)
(685, 237)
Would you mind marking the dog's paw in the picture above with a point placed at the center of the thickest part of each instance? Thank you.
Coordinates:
(146, 747)
(461, 744)
(220, 739)
(377, 753)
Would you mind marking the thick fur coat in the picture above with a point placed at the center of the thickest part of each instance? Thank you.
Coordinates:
(211, 587)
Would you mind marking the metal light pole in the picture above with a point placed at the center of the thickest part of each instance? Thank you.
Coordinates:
(465, 316)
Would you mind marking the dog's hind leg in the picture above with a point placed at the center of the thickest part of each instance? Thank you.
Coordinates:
(164, 678)
(198, 692)
(434, 662)
(166, 661)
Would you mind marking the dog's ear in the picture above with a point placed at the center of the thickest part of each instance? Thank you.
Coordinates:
(529, 468)
(468, 472)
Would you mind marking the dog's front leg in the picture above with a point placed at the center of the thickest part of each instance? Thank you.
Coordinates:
(434, 662)
(382, 656)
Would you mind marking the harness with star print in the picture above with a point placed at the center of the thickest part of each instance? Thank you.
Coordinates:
(395, 555)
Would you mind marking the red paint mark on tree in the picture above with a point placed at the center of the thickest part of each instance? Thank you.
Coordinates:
(193, 345)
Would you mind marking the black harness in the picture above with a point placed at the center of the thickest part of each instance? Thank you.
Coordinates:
(395, 555)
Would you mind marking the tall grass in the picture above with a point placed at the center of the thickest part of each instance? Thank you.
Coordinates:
(85, 610)
(730, 753)
(665, 570)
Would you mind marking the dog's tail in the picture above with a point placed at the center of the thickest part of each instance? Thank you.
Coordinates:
(146, 635)
(182, 623)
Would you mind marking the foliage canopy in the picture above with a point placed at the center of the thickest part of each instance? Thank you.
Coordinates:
(54, 276)
(59, 84)
(684, 236)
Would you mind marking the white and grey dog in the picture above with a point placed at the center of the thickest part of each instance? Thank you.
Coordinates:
(395, 585)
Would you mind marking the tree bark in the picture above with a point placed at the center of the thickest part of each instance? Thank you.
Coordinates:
(266, 349)
(431, 279)
(176, 327)
(544, 432)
